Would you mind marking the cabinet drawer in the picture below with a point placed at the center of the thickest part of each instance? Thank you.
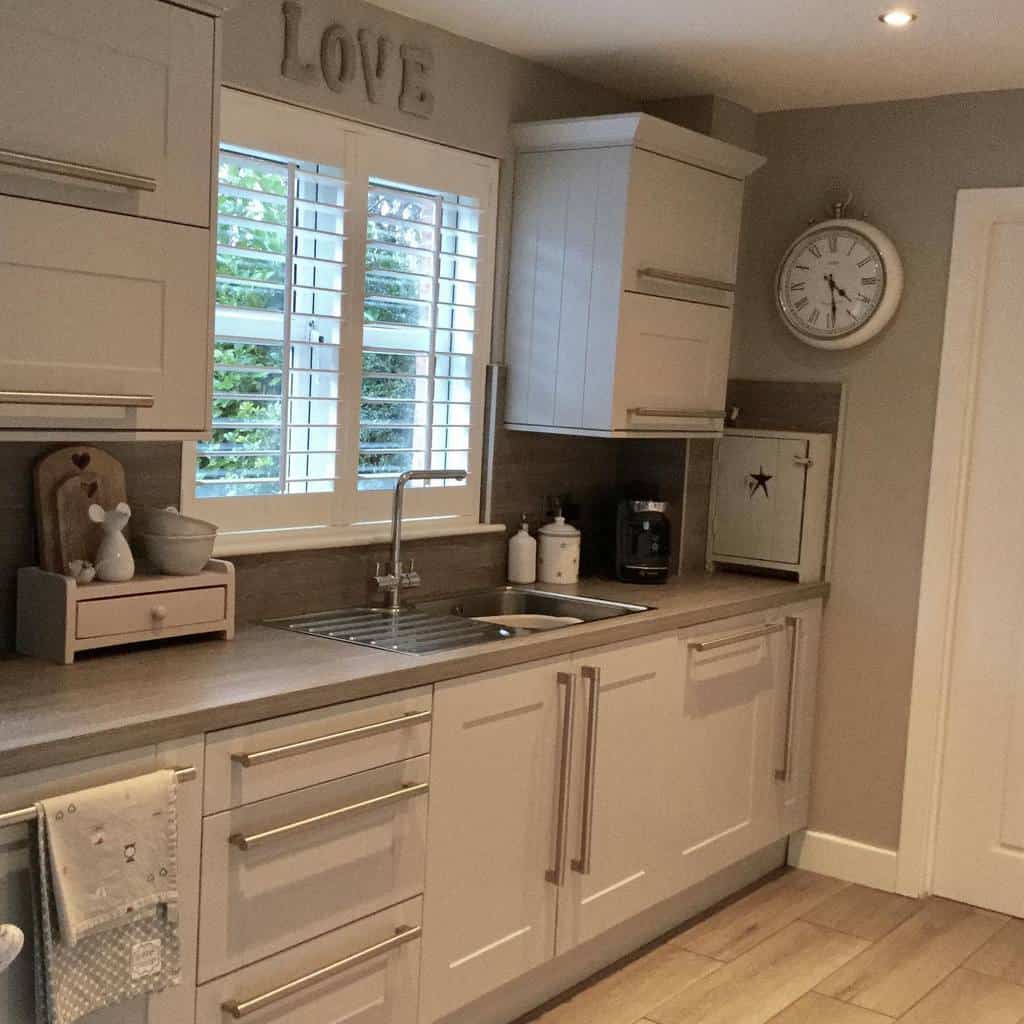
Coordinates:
(284, 870)
(672, 364)
(97, 304)
(116, 85)
(148, 612)
(260, 760)
(367, 973)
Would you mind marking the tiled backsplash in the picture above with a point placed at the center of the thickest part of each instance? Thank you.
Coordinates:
(528, 468)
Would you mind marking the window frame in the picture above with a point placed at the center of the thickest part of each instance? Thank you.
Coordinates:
(345, 515)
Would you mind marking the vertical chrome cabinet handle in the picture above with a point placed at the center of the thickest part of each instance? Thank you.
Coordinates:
(785, 773)
(593, 677)
(557, 873)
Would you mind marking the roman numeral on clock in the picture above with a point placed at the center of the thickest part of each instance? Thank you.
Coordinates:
(815, 251)
(814, 317)
(800, 303)
(864, 262)
(869, 280)
(833, 244)
(798, 286)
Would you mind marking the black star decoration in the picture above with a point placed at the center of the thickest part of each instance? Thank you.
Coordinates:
(758, 481)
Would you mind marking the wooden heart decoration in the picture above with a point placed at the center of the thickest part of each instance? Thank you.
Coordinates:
(81, 459)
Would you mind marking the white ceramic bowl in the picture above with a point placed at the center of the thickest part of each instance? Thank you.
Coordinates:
(179, 556)
(168, 522)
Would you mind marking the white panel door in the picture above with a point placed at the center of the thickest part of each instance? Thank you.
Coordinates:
(489, 911)
(624, 792)
(760, 498)
(114, 84)
(672, 356)
(96, 303)
(979, 856)
(728, 715)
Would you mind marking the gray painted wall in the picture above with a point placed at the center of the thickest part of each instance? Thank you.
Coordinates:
(905, 162)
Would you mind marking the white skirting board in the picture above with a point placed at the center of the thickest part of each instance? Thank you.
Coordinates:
(874, 866)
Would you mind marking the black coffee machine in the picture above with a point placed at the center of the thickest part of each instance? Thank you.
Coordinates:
(642, 541)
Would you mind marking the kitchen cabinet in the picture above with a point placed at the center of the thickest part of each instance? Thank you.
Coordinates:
(568, 797)
(174, 1005)
(548, 786)
(744, 713)
(109, 114)
(624, 253)
(109, 105)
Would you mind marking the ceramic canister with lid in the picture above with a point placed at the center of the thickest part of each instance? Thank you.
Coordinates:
(558, 554)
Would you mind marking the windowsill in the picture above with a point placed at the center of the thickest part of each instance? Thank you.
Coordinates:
(254, 542)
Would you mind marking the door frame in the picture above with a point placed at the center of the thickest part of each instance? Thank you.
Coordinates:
(977, 212)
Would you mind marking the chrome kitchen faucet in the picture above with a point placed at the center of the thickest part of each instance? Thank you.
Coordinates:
(396, 578)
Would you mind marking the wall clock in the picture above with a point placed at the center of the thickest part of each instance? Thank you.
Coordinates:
(839, 284)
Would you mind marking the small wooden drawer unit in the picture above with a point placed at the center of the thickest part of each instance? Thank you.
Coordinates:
(365, 973)
(57, 617)
(264, 759)
(281, 871)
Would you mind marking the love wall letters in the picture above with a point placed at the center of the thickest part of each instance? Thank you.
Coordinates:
(342, 55)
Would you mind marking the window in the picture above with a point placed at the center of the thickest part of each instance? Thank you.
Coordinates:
(352, 325)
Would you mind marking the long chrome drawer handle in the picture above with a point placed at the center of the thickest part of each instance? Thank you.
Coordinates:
(785, 773)
(240, 1009)
(247, 842)
(675, 278)
(557, 873)
(25, 814)
(582, 864)
(736, 638)
(76, 398)
(677, 414)
(258, 757)
(82, 172)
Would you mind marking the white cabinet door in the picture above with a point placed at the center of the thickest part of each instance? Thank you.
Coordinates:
(682, 219)
(672, 363)
(726, 715)
(174, 1005)
(619, 842)
(117, 85)
(489, 913)
(93, 303)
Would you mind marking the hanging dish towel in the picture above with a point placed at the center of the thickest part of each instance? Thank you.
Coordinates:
(106, 896)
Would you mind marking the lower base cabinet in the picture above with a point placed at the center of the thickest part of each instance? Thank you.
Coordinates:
(570, 796)
(364, 973)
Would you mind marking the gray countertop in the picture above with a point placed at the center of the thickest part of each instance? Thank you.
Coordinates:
(51, 714)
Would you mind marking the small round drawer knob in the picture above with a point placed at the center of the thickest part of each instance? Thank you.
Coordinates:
(159, 612)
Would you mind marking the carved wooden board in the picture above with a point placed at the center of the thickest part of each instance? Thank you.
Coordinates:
(59, 492)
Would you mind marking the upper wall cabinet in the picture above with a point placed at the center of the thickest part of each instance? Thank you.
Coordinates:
(625, 244)
(108, 104)
(108, 112)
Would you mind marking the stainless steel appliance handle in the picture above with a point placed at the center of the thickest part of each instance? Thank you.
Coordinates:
(677, 414)
(582, 863)
(675, 278)
(795, 623)
(80, 172)
(26, 814)
(76, 398)
(557, 873)
(242, 1008)
(736, 638)
(248, 842)
(258, 757)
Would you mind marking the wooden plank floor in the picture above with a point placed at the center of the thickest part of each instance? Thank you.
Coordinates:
(805, 949)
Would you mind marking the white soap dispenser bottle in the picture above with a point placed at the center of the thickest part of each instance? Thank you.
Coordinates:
(522, 555)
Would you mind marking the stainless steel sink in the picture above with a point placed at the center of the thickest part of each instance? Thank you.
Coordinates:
(450, 622)
(522, 601)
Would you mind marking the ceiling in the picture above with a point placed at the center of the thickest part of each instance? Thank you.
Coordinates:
(767, 56)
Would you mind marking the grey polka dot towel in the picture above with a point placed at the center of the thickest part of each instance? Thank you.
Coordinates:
(106, 896)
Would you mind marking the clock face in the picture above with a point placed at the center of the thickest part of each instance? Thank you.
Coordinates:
(831, 283)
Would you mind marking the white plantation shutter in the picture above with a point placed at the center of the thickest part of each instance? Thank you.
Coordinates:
(354, 281)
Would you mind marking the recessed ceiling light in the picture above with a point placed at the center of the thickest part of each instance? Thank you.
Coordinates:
(897, 18)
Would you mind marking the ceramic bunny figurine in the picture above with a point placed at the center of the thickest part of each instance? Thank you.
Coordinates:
(11, 941)
(114, 561)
